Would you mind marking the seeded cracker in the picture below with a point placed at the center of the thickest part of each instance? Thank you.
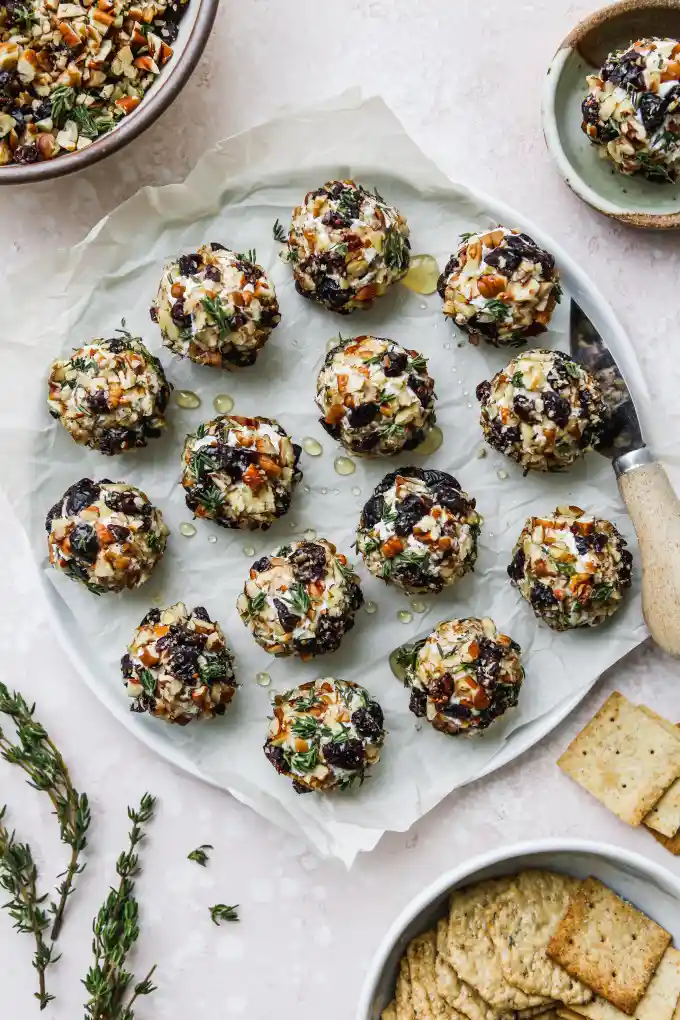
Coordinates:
(427, 1002)
(521, 924)
(471, 952)
(460, 997)
(609, 945)
(624, 758)
(659, 1002)
(403, 1000)
(665, 815)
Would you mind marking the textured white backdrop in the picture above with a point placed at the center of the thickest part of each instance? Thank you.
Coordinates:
(465, 78)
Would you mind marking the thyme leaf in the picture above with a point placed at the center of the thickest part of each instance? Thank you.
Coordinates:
(221, 912)
(279, 232)
(199, 854)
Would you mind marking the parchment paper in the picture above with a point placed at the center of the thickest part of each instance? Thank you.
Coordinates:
(234, 196)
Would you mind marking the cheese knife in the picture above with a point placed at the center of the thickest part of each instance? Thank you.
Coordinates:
(653, 506)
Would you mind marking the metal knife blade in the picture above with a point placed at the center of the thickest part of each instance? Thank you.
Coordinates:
(622, 433)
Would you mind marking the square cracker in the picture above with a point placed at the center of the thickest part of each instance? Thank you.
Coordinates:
(609, 945)
(471, 952)
(671, 843)
(665, 815)
(428, 1004)
(624, 758)
(403, 1001)
(462, 998)
(659, 1002)
(521, 923)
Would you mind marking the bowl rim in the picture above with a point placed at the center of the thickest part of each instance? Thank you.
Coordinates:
(149, 110)
(574, 180)
(472, 865)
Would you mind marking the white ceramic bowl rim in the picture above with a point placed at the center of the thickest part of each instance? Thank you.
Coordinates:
(450, 879)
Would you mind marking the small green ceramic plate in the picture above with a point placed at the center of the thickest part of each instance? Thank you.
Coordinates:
(632, 200)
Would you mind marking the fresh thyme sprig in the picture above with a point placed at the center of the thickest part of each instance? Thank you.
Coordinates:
(19, 878)
(40, 759)
(116, 929)
(221, 912)
(279, 232)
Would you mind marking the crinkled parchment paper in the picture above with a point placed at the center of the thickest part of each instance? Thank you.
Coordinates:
(234, 195)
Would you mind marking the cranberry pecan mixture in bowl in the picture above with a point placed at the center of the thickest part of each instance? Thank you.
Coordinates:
(632, 110)
(543, 410)
(325, 734)
(463, 676)
(111, 395)
(375, 396)
(178, 666)
(216, 307)
(419, 530)
(240, 472)
(346, 246)
(571, 568)
(69, 72)
(301, 600)
(501, 286)
(107, 535)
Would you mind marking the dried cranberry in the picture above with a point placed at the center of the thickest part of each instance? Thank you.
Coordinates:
(234, 460)
(184, 663)
(216, 246)
(456, 711)
(372, 512)
(368, 721)
(504, 258)
(189, 265)
(330, 630)
(364, 444)
(625, 69)
(168, 32)
(527, 248)
(557, 408)
(120, 533)
(335, 220)
(288, 618)
(348, 755)
(178, 315)
(394, 363)
(453, 499)
(440, 689)
(123, 502)
(524, 407)
(516, 568)
(362, 415)
(84, 543)
(410, 510)
(118, 344)
(127, 666)
(213, 273)
(308, 562)
(328, 291)
(98, 401)
(418, 702)
(152, 617)
(599, 541)
(582, 543)
(43, 110)
(422, 389)
(201, 613)
(542, 596)
(264, 563)
(81, 494)
(483, 391)
(276, 757)
(153, 313)
(116, 439)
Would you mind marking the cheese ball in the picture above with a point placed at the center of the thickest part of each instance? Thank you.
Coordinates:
(178, 666)
(419, 530)
(543, 410)
(463, 675)
(240, 472)
(110, 395)
(375, 397)
(325, 734)
(500, 286)
(346, 246)
(632, 109)
(107, 535)
(301, 600)
(216, 307)
(571, 568)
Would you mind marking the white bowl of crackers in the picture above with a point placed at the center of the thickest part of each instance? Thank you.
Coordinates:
(549, 929)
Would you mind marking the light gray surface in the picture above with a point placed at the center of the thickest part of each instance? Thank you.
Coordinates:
(465, 79)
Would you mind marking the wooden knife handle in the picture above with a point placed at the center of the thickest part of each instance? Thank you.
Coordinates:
(655, 511)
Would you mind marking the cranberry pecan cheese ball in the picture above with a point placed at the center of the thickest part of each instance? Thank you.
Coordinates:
(240, 472)
(571, 568)
(501, 286)
(463, 675)
(325, 734)
(216, 307)
(375, 397)
(301, 600)
(178, 666)
(419, 530)
(543, 411)
(107, 535)
(110, 395)
(346, 246)
(632, 109)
